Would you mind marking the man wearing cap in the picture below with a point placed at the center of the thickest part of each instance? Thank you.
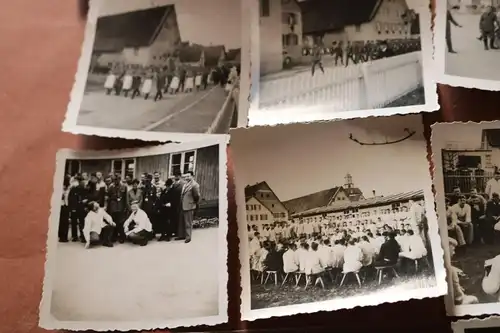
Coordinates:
(493, 185)
(138, 227)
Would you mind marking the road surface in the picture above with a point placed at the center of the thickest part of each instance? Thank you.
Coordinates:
(133, 283)
(471, 59)
(184, 112)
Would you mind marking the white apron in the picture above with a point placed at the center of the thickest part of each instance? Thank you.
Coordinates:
(127, 82)
(110, 81)
(146, 87)
(189, 83)
(197, 80)
(175, 83)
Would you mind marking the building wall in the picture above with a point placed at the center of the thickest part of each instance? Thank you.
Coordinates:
(271, 46)
(206, 169)
(267, 197)
(341, 196)
(257, 213)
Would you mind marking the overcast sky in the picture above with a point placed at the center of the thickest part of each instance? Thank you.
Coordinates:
(200, 21)
(298, 160)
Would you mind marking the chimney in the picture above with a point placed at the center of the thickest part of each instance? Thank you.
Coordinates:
(374, 193)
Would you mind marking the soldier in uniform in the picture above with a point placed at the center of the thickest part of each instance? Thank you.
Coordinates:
(117, 206)
(77, 199)
(150, 197)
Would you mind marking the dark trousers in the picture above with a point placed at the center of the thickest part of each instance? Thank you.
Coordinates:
(488, 40)
(135, 92)
(352, 57)
(139, 238)
(339, 57)
(103, 238)
(77, 218)
(185, 228)
(317, 63)
(486, 230)
(159, 95)
(63, 223)
(119, 219)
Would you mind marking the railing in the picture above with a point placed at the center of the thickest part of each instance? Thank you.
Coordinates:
(228, 112)
(363, 86)
(466, 182)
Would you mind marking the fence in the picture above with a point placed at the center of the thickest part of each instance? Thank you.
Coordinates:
(227, 116)
(466, 180)
(363, 86)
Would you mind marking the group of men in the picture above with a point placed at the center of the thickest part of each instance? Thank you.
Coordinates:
(103, 210)
(155, 81)
(362, 51)
(489, 27)
(343, 243)
(473, 219)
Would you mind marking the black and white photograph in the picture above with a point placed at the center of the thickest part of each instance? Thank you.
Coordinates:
(137, 239)
(476, 325)
(322, 59)
(467, 47)
(151, 68)
(332, 226)
(467, 183)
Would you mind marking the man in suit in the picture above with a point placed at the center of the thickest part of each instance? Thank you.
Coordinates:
(117, 206)
(190, 197)
(176, 204)
(166, 211)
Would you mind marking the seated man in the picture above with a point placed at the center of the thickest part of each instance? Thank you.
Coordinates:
(461, 216)
(389, 251)
(98, 226)
(137, 227)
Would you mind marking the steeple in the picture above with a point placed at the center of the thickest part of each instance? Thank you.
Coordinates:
(348, 181)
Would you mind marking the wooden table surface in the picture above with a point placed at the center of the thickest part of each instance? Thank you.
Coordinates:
(39, 48)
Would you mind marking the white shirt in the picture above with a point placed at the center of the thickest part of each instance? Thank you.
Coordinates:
(416, 246)
(492, 186)
(141, 220)
(460, 214)
(368, 251)
(94, 222)
(254, 245)
(313, 263)
(352, 258)
(325, 256)
(302, 259)
(290, 263)
(337, 255)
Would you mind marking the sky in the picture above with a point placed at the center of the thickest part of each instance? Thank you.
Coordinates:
(297, 160)
(200, 21)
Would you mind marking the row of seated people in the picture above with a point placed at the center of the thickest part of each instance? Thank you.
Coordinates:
(346, 253)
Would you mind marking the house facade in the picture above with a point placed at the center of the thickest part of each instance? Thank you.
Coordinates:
(203, 162)
(137, 43)
(263, 206)
(365, 208)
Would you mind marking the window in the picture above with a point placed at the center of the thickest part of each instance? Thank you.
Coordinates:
(272, 205)
(123, 167)
(263, 217)
(73, 167)
(358, 28)
(182, 162)
(251, 217)
(248, 207)
(265, 8)
(395, 205)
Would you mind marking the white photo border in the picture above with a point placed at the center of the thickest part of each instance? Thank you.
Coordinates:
(304, 114)
(460, 326)
(70, 123)
(440, 56)
(437, 144)
(393, 296)
(47, 321)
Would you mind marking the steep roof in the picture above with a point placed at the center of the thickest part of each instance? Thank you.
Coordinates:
(212, 54)
(310, 201)
(353, 193)
(371, 202)
(319, 16)
(251, 191)
(132, 29)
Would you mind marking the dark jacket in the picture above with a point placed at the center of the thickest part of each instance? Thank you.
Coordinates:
(149, 199)
(77, 198)
(487, 22)
(117, 198)
(389, 252)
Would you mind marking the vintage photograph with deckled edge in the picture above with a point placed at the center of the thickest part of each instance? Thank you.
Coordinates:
(476, 325)
(155, 70)
(467, 43)
(325, 220)
(466, 158)
(372, 58)
(137, 239)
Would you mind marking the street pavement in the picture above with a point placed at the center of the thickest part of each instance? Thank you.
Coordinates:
(184, 112)
(471, 59)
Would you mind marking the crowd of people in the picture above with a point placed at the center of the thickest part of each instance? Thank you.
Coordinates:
(361, 51)
(138, 81)
(472, 221)
(101, 210)
(396, 241)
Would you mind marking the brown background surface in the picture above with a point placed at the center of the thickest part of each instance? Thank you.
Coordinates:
(39, 47)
